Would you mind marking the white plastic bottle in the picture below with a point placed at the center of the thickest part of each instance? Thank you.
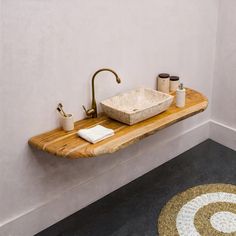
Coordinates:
(180, 96)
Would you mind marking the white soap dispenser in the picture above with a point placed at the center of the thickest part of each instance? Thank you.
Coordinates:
(180, 96)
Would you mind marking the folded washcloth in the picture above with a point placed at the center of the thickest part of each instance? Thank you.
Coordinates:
(95, 134)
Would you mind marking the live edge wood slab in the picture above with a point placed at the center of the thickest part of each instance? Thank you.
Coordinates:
(69, 145)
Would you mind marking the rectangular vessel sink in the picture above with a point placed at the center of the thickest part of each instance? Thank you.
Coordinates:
(136, 105)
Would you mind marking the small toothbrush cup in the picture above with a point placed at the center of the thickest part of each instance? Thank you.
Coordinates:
(67, 122)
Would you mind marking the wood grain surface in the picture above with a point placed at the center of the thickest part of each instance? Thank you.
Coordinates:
(69, 145)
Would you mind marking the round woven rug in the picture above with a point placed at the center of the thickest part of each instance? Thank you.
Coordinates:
(205, 210)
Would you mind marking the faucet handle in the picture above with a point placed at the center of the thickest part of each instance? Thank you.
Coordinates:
(89, 112)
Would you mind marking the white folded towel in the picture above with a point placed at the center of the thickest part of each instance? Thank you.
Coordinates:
(95, 134)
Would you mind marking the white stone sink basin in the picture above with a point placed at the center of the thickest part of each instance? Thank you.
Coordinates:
(136, 105)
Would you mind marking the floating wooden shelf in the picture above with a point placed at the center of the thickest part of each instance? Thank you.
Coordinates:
(69, 145)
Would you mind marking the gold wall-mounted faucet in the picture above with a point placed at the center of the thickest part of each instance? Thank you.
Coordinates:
(92, 112)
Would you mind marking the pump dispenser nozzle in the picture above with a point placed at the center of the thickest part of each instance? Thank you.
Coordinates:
(181, 86)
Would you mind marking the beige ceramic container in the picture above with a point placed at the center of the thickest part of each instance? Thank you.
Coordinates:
(67, 122)
(163, 83)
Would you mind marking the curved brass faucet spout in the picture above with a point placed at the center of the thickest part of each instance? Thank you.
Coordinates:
(93, 111)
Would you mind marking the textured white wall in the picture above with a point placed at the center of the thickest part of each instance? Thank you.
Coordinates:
(224, 88)
(50, 50)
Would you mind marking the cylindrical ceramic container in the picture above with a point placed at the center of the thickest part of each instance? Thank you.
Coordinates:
(163, 83)
(174, 83)
(67, 122)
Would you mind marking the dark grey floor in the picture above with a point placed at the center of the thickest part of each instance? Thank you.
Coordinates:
(133, 209)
